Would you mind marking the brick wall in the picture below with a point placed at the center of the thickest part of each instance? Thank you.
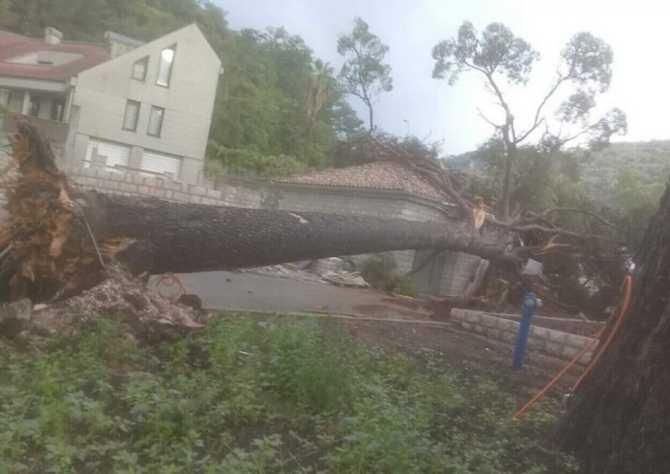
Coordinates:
(559, 344)
(571, 325)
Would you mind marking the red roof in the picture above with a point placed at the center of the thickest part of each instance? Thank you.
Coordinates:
(13, 45)
(378, 175)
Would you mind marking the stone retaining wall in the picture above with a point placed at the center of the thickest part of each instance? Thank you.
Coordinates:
(560, 344)
(571, 325)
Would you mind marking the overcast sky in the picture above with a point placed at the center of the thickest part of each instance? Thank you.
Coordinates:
(428, 108)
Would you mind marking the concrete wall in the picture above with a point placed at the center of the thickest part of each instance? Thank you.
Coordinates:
(101, 94)
(459, 268)
(559, 344)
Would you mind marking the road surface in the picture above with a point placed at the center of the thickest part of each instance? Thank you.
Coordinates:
(254, 292)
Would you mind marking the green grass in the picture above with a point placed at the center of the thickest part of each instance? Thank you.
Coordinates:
(250, 396)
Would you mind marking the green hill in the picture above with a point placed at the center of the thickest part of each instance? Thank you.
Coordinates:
(646, 162)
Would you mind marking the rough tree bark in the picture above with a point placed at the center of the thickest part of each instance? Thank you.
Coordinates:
(620, 421)
(61, 239)
(174, 237)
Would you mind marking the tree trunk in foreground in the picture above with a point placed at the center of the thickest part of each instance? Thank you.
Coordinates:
(620, 422)
(60, 239)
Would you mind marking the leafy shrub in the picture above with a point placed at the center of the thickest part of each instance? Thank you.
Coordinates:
(310, 369)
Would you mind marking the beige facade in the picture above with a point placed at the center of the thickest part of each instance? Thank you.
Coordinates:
(100, 96)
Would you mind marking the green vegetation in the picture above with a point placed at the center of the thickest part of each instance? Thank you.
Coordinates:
(364, 73)
(252, 396)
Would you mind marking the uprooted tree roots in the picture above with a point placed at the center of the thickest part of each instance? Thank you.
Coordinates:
(50, 255)
(49, 249)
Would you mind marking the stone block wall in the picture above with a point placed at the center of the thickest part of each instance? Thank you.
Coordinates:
(555, 343)
(133, 184)
(571, 325)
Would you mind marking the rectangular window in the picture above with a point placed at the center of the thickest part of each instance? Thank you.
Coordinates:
(131, 115)
(156, 121)
(156, 162)
(140, 68)
(165, 66)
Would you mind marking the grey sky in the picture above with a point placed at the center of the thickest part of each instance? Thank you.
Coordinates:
(429, 108)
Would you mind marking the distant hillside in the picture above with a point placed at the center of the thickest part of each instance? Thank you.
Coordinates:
(648, 160)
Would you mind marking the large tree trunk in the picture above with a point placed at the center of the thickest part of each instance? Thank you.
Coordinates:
(62, 239)
(175, 237)
(620, 422)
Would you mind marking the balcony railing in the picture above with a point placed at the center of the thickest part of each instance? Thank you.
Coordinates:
(55, 132)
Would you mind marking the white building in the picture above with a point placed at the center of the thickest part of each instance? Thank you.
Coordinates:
(125, 106)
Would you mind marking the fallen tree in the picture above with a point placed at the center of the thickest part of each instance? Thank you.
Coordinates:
(59, 241)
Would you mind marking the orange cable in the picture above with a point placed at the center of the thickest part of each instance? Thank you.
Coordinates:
(628, 290)
(627, 284)
(557, 377)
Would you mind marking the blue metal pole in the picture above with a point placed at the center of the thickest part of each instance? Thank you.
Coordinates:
(527, 312)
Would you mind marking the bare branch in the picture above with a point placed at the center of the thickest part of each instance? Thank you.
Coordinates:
(529, 131)
(498, 94)
(487, 120)
(558, 210)
(537, 120)
(432, 172)
(547, 230)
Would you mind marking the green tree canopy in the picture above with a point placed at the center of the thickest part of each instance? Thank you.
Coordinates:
(502, 58)
(364, 74)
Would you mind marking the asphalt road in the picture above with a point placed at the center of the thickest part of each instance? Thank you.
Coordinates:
(253, 292)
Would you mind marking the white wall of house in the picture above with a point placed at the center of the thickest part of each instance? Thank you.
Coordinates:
(101, 94)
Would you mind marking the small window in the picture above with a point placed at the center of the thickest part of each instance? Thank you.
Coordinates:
(156, 121)
(165, 66)
(131, 115)
(140, 69)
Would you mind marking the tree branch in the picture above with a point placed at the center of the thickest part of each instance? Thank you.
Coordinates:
(537, 121)
(558, 210)
(487, 120)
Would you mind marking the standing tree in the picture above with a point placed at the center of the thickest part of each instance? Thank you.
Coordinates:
(364, 73)
(501, 57)
(620, 421)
